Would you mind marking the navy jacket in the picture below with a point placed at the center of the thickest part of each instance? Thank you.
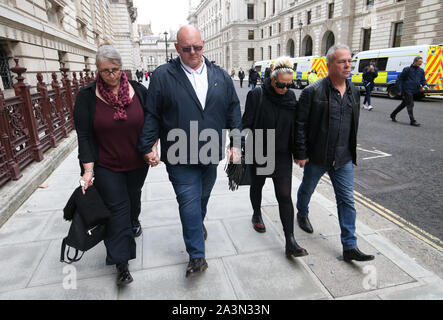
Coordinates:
(173, 104)
(410, 80)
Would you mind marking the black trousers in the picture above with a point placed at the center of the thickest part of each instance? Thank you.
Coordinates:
(241, 83)
(407, 102)
(121, 193)
(282, 188)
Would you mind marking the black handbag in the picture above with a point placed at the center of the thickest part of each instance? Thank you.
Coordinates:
(80, 238)
(241, 174)
(89, 206)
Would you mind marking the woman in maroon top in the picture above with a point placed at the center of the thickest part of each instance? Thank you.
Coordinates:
(109, 116)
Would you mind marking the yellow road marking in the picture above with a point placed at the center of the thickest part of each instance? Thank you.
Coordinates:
(401, 222)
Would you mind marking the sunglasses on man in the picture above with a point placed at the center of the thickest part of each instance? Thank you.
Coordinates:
(282, 85)
(188, 49)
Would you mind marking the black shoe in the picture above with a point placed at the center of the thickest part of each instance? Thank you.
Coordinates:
(357, 255)
(123, 277)
(205, 233)
(393, 118)
(196, 266)
(293, 249)
(258, 224)
(415, 123)
(136, 228)
(304, 224)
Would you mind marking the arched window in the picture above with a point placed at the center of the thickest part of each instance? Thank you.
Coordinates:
(328, 41)
(290, 48)
(307, 47)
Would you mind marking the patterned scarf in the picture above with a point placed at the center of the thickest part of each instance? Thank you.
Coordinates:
(118, 103)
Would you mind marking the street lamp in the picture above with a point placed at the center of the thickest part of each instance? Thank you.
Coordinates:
(300, 24)
(166, 45)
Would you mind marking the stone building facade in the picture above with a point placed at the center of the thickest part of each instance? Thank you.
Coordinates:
(153, 49)
(44, 33)
(239, 32)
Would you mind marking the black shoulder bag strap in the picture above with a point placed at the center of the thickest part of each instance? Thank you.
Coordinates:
(71, 260)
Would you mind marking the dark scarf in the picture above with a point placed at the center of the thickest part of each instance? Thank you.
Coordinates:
(287, 101)
(118, 103)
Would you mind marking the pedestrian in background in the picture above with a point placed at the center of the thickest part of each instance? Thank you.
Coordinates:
(241, 76)
(272, 106)
(253, 76)
(232, 73)
(411, 80)
(312, 77)
(326, 141)
(109, 115)
(186, 91)
(268, 71)
(249, 77)
(369, 74)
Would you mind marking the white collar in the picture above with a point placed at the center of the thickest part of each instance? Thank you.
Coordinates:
(190, 70)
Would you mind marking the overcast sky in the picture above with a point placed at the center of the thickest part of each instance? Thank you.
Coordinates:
(163, 14)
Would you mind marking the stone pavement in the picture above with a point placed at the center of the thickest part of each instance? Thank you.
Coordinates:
(243, 264)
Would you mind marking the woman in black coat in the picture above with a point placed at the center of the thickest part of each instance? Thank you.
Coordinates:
(272, 106)
(109, 116)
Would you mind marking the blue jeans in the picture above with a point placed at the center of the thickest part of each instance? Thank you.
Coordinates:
(343, 183)
(369, 87)
(193, 185)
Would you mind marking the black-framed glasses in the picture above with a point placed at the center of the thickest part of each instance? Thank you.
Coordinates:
(188, 49)
(108, 72)
(282, 85)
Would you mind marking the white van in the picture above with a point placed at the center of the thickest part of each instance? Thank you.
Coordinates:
(391, 62)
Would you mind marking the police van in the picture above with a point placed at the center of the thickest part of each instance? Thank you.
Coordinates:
(304, 65)
(261, 66)
(391, 62)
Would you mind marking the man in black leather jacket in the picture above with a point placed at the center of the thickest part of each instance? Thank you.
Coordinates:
(326, 141)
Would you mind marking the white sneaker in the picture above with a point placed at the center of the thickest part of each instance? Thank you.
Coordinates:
(369, 108)
(364, 106)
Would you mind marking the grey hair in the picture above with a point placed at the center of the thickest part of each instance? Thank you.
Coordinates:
(331, 51)
(282, 65)
(417, 58)
(108, 52)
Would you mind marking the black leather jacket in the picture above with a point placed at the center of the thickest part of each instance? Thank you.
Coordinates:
(312, 122)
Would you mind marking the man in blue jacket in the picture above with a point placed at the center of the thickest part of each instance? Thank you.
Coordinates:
(409, 82)
(190, 99)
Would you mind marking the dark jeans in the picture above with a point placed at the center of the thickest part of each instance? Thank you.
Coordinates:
(193, 185)
(343, 183)
(121, 193)
(407, 102)
(282, 188)
(369, 86)
(253, 85)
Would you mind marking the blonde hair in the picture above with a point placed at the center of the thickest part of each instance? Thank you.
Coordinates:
(282, 65)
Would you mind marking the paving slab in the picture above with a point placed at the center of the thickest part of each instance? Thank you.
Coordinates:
(55, 228)
(325, 259)
(170, 283)
(103, 288)
(432, 291)
(229, 206)
(159, 213)
(323, 223)
(93, 264)
(163, 246)
(24, 228)
(45, 200)
(247, 240)
(62, 181)
(270, 275)
(405, 262)
(21, 262)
